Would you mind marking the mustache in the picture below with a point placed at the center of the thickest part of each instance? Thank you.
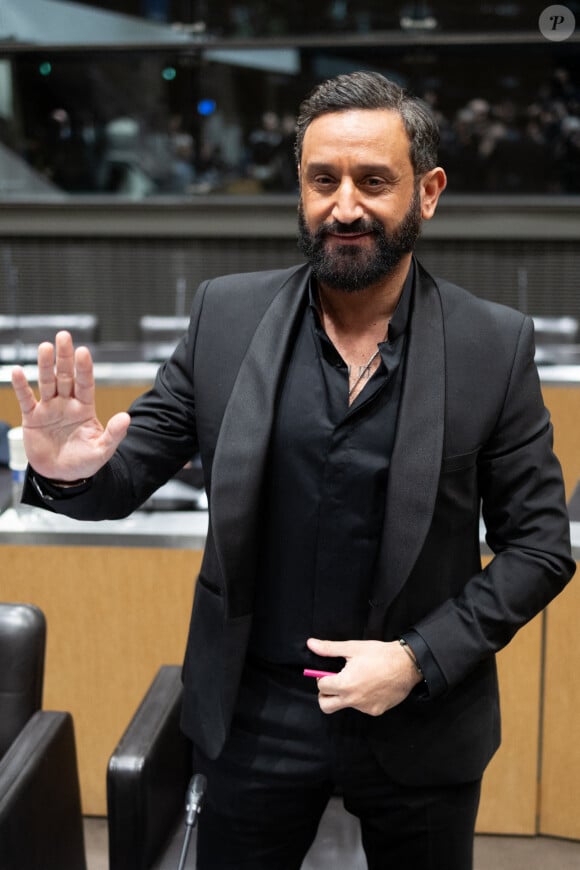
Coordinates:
(358, 226)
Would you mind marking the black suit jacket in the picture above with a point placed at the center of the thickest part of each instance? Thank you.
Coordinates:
(472, 429)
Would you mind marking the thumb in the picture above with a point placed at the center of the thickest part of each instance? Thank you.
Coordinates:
(115, 431)
(330, 648)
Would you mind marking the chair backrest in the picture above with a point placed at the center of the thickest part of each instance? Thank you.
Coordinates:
(21, 334)
(22, 649)
(34, 328)
(159, 335)
(147, 777)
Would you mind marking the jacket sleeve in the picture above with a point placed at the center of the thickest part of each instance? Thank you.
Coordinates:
(527, 529)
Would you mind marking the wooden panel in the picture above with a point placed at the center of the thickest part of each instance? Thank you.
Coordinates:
(509, 794)
(560, 808)
(9, 410)
(114, 616)
(110, 399)
(563, 402)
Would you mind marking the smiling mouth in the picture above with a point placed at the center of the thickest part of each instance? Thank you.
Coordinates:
(347, 238)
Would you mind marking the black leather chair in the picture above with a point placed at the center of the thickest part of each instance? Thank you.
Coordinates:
(40, 808)
(147, 779)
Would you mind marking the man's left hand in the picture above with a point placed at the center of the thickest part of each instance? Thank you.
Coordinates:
(377, 675)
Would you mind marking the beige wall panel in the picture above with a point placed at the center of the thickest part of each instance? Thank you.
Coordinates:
(563, 403)
(110, 399)
(509, 794)
(9, 410)
(560, 803)
(114, 616)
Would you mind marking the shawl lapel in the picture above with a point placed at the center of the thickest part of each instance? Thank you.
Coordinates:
(417, 452)
(242, 444)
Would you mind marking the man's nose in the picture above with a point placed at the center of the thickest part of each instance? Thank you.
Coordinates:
(347, 205)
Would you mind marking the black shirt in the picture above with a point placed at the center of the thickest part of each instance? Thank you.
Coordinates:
(325, 493)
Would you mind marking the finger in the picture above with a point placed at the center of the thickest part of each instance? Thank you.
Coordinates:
(23, 390)
(328, 691)
(330, 648)
(65, 365)
(46, 377)
(330, 703)
(85, 377)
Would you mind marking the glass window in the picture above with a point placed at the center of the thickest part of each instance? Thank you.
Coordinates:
(252, 19)
(216, 117)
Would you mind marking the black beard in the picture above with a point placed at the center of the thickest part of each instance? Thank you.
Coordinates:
(350, 268)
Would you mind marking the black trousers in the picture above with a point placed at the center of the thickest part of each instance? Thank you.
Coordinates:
(285, 758)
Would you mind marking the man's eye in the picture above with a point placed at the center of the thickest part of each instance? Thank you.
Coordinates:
(324, 180)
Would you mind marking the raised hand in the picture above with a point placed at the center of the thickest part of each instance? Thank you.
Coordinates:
(63, 438)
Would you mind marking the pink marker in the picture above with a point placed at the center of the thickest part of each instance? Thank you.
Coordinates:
(309, 672)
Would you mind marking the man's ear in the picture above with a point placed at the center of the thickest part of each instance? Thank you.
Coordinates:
(432, 185)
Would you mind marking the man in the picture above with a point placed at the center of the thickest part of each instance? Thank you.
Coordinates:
(351, 416)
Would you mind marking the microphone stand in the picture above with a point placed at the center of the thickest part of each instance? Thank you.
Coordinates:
(193, 804)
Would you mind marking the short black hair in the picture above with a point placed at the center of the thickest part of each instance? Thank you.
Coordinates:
(371, 90)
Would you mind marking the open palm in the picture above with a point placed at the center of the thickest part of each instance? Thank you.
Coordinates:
(63, 438)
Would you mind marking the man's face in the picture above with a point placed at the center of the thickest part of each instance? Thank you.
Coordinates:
(360, 208)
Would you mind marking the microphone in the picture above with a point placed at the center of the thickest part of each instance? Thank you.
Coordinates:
(194, 799)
